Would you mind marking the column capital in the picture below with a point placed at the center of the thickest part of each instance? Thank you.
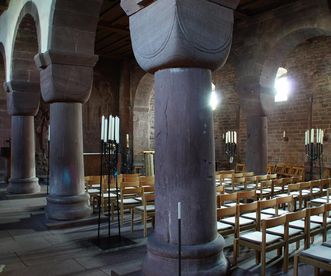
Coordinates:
(22, 97)
(65, 76)
(182, 33)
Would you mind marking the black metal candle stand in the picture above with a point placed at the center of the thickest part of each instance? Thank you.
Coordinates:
(314, 151)
(230, 151)
(108, 166)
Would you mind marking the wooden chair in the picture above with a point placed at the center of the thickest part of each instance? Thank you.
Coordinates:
(147, 210)
(127, 199)
(227, 200)
(250, 183)
(249, 173)
(240, 167)
(294, 234)
(265, 189)
(246, 196)
(226, 229)
(260, 241)
(220, 189)
(317, 222)
(281, 204)
(321, 200)
(318, 256)
(238, 183)
(315, 188)
(272, 176)
(277, 186)
(131, 177)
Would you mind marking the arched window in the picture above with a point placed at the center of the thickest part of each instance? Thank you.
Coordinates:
(282, 86)
(214, 99)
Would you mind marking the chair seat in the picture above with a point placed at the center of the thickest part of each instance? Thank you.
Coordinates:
(281, 195)
(319, 200)
(272, 211)
(316, 190)
(93, 191)
(111, 195)
(149, 208)
(95, 185)
(223, 226)
(280, 230)
(256, 237)
(264, 192)
(319, 219)
(327, 243)
(251, 186)
(242, 221)
(230, 204)
(253, 216)
(129, 201)
(300, 224)
(318, 252)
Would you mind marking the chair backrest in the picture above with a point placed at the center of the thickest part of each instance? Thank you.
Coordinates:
(131, 177)
(147, 189)
(130, 184)
(296, 179)
(260, 178)
(302, 214)
(226, 212)
(221, 199)
(315, 211)
(304, 185)
(220, 189)
(130, 192)
(272, 176)
(324, 183)
(247, 195)
(264, 204)
(315, 184)
(240, 167)
(238, 180)
(272, 222)
(277, 182)
(226, 176)
(294, 187)
(148, 199)
(238, 174)
(249, 174)
(250, 179)
(265, 184)
(246, 208)
(287, 180)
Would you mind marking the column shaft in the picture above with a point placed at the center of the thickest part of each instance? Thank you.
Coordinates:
(23, 171)
(67, 199)
(184, 173)
(256, 149)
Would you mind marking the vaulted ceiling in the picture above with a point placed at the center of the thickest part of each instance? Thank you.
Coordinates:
(113, 36)
(3, 5)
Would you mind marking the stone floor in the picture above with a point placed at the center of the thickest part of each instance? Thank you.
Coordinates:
(28, 247)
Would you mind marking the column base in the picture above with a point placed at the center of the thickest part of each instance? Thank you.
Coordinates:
(23, 186)
(197, 260)
(68, 207)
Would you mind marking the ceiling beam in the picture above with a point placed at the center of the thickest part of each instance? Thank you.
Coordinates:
(109, 27)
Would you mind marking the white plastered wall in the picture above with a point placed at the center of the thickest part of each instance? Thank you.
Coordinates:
(8, 22)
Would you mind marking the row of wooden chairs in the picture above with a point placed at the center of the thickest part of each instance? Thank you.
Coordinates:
(272, 229)
(286, 170)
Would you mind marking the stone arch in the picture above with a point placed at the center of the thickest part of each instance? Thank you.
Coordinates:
(141, 116)
(282, 48)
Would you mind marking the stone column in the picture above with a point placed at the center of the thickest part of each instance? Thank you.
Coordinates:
(23, 103)
(181, 47)
(66, 81)
(256, 123)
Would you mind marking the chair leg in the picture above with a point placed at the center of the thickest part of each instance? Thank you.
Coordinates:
(132, 218)
(285, 262)
(145, 225)
(257, 257)
(263, 265)
(279, 252)
(297, 245)
(235, 252)
(296, 265)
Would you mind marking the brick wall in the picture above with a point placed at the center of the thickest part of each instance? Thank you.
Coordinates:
(309, 68)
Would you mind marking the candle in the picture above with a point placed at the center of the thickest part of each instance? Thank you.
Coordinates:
(127, 141)
(110, 127)
(112, 130)
(102, 127)
(312, 135)
(117, 129)
(322, 137)
(179, 211)
(105, 138)
(284, 134)
(226, 137)
(305, 137)
(49, 133)
(231, 136)
(223, 136)
(235, 137)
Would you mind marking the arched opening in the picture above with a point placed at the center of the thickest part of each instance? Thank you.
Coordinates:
(143, 118)
(26, 78)
(308, 66)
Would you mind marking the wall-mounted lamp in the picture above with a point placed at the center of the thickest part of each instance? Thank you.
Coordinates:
(285, 138)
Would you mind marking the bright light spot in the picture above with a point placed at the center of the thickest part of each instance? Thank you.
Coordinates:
(282, 85)
(214, 100)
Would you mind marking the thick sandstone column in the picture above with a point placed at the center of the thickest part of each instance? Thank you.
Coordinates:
(67, 198)
(256, 145)
(23, 103)
(66, 81)
(253, 106)
(175, 40)
(23, 178)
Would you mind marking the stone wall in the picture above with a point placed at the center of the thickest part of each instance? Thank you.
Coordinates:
(309, 69)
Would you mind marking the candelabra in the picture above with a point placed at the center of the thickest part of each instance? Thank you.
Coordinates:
(314, 148)
(230, 145)
(109, 147)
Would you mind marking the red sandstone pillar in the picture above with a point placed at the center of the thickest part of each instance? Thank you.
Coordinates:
(23, 104)
(66, 81)
(175, 40)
